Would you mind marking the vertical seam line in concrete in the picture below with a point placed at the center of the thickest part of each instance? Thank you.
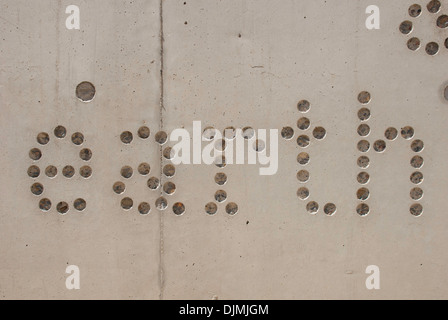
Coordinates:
(161, 107)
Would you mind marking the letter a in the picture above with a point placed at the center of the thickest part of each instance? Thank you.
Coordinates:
(72, 21)
(373, 21)
(373, 281)
(72, 281)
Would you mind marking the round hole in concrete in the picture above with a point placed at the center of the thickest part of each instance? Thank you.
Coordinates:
(62, 207)
(78, 138)
(43, 138)
(68, 171)
(80, 204)
(126, 203)
(37, 189)
(33, 171)
(45, 204)
(85, 91)
(126, 137)
(144, 208)
(178, 208)
(119, 187)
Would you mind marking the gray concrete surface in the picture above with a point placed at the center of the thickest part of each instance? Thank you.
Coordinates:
(225, 63)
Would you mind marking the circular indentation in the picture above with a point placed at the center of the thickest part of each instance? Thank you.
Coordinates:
(232, 208)
(413, 44)
(417, 162)
(330, 209)
(364, 114)
(169, 170)
(417, 145)
(161, 203)
(259, 145)
(303, 176)
(68, 171)
(126, 137)
(85, 91)
(303, 193)
(416, 177)
(303, 106)
(415, 10)
(119, 187)
(126, 172)
(442, 21)
(161, 137)
(229, 133)
(153, 183)
(37, 189)
(446, 46)
(364, 97)
(45, 204)
(220, 144)
(144, 208)
(208, 133)
(407, 132)
(60, 132)
(312, 207)
(433, 6)
(178, 208)
(79, 204)
(85, 154)
(143, 132)
(416, 193)
(391, 133)
(144, 168)
(51, 171)
(168, 153)
(363, 162)
(416, 209)
(35, 154)
(287, 133)
(220, 178)
(220, 196)
(363, 146)
(43, 138)
(169, 188)
(220, 161)
(303, 141)
(363, 178)
(363, 194)
(432, 48)
(62, 207)
(405, 27)
(303, 158)
(78, 138)
(319, 133)
(248, 133)
(363, 130)
(362, 209)
(379, 146)
(33, 171)
(85, 172)
(303, 123)
(127, 203)
(211, 208)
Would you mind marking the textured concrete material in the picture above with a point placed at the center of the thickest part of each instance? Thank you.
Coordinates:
(227, 63)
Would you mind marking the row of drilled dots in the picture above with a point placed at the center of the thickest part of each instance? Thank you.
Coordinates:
(144, 169)
(406, 27)
(51, 171)
(380, 146)
(220, 196)
(303, 158)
